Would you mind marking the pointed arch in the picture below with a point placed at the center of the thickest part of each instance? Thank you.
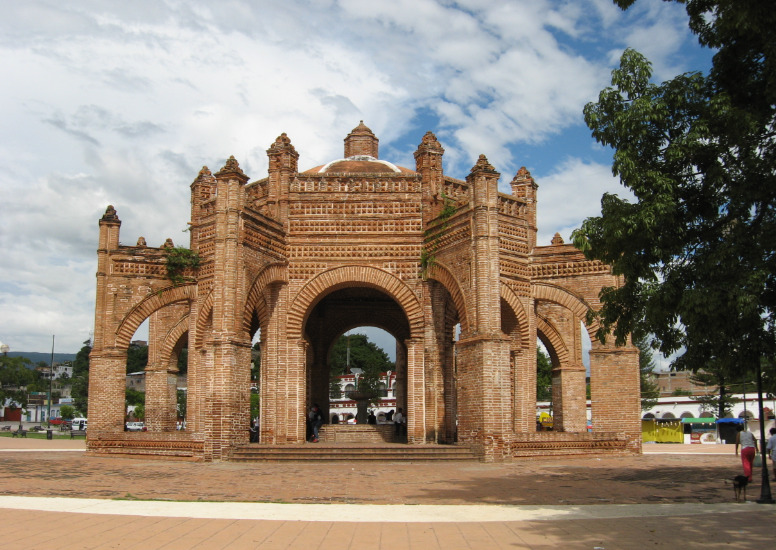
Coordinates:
(274, 273)
(171, 339)
(204, 318)
(149, 304)
(511, 298)
(353, 276)
(564, 297)
(559, 350)
(440, 273)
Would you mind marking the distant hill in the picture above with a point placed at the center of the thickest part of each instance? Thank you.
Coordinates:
(36, 357)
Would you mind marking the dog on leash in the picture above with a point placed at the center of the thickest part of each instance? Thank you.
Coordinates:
(739, 487)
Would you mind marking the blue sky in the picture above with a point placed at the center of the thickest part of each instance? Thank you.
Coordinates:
(121, 103)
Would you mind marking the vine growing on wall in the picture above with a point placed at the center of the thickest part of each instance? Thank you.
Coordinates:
(178, 260)
(428, 252)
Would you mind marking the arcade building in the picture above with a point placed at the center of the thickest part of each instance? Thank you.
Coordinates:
(449, 267)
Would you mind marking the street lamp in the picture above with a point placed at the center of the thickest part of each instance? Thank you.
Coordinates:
(51, 378)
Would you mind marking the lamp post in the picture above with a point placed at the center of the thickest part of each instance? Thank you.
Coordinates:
(765, 488)
(51, 377)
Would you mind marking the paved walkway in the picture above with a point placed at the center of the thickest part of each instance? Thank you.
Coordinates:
(674, 496)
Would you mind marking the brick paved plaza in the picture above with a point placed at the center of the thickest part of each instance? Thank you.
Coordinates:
(676, 500)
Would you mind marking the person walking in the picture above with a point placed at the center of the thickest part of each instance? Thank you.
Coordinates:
(771, 447)
(316, 421)
(748, 444)
(399, 422)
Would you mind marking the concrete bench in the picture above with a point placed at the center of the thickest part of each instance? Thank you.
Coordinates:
(74, 433)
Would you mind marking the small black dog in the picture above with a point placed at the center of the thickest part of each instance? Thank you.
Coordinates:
(739, 486)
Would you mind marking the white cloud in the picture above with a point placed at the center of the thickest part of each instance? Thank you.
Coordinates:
(122, 103)
(570, 194)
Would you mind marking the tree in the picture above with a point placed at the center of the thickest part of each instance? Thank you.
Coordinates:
(67, 412)
(137, 358)
(696, 248)
(80, 385)
(363, 354)
(543, 376)
(15, 375)
(139, 411)
(182, 400)
(650, 392)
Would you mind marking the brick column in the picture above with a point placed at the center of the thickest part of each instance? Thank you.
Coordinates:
(107, 389)
(524, 364)
(416, 395)
(615, 392)
(485, 396)
(161, 399)
(568, 399)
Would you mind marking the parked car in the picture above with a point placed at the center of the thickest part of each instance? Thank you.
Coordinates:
(78, 424)
(58, 420)
(136, 427)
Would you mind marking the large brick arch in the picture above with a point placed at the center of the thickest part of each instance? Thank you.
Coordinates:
(558, 349)
(445, 277)
(275, 273)
(152, 302)
(509, 296)
(569, 300)
(354, 276)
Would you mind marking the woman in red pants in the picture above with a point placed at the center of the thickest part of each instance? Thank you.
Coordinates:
(748, 444)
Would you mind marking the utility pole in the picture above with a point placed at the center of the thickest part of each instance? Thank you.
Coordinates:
(51, 378)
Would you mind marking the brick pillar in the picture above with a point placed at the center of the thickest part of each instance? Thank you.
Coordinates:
(486, 283)
(227, 405)
(485, 396)
(107, 388)
(568, 399)
(274, 361)
(416, 394)
(615, 392)
(107, 365)
(400, 385)
(161, 399)
(293, 408)
(524, 364)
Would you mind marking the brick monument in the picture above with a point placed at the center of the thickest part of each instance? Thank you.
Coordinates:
(449, 267)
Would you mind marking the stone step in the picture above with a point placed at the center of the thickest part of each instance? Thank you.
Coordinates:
(343, 452)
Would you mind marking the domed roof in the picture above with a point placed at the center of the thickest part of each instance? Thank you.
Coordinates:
(358, 164)
(361, 147)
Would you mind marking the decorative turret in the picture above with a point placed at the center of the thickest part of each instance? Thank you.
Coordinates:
(524, 187)
(203, 189)
(232, 170)
(483, 180)
(361, 141)
(283, 167)
(428, 163)
(110, 224)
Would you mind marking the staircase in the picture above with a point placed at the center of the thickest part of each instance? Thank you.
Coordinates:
(348, 452)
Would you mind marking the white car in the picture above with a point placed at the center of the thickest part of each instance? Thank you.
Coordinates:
(136, 427)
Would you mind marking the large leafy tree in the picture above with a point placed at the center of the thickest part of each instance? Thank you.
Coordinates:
(80, 381)
(543, 376)
(16, 374)
(362, 354)
(650, 392)
(698, 152)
